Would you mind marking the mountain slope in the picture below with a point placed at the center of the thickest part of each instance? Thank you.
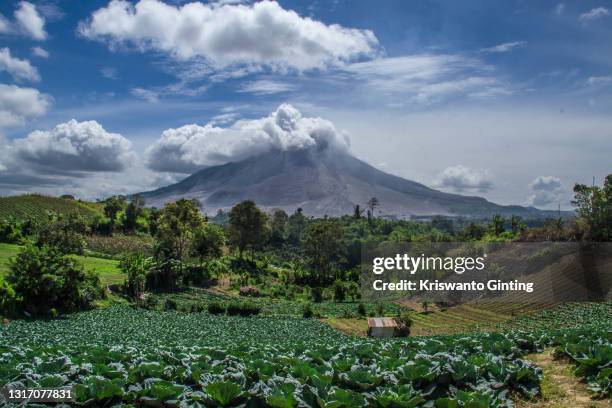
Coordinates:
(321, 182)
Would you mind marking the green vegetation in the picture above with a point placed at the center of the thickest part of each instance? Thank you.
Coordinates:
(195, 356)
(241, 314)
(228, 361)
(108, 269)
(34, 206)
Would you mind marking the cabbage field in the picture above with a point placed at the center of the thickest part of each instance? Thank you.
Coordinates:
(130, 357)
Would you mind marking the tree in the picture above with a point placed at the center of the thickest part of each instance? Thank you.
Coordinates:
(516, 224)
(112, 206)
(208, 242)
(497, 224)
(295, 226)
(153, 215)
(64, 233)
(324, 248)
(136, 268)
(278, 227)
(594, 205)
(49, 282)
(247, 226)
(372, 204)
(133, 211)
(357, 212)
(177, 226)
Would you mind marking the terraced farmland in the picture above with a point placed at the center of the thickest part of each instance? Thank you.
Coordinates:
(37, 206)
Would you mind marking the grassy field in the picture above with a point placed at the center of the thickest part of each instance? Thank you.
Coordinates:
(36, 206)
(107, 268)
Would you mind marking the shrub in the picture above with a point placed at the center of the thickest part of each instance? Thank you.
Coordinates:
(404, 322)
(151, 302)
(316, 294)
(243, 309)
(163, 274)
(249, 309)
(64, 233)
(136, 268)
(339, 291)
(308, 312)
(8, 299)
(233, 309)
(170, 304)
(361, 310)
(197, 308)
(216, 308)
(10, 232)
(45, 279)
(196, 275)
(380, 309)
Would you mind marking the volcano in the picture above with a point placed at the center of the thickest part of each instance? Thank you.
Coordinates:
(323, 182)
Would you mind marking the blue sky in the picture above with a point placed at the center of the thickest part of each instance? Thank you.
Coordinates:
(509, 100)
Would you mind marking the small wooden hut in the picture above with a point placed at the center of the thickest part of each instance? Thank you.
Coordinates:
(382, 327)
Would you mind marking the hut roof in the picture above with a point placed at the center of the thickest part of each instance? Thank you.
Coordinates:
(381, 322)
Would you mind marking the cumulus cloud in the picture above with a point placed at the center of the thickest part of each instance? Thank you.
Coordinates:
(192, 147)
(29, 21)
(505, 47)
(261, 34)
(547, 190)
(75, 147)
(461, 178)
(19, 69)
(40, 52)
(18, 104)
(594, 14)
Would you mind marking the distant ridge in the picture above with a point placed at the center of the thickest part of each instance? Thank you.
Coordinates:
(323, 182)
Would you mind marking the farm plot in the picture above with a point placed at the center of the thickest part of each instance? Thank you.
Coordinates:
(123, 355)
(108, 269)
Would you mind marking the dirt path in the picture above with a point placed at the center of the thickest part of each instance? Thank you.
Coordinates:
(560, 388)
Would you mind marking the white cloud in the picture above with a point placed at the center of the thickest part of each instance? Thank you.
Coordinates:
(19, 69)
(148, 95)
(5, 25)
(75, 147)
(193, 147)
(559, 9)
(29, 21)
(224, 118)
(18, 104)
(505, 47)
(262, 34)
(428, 78)
(109, 72)
(545, 183)
(266, 87)
(461, 178)
(599, 80)
(547, 190)
(594, 14)
(40, 52)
